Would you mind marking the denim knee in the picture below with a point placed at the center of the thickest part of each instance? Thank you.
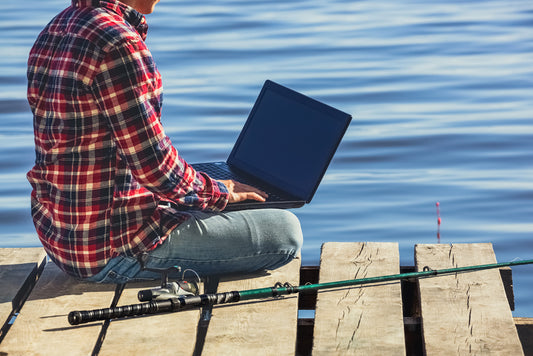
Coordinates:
(288, 228)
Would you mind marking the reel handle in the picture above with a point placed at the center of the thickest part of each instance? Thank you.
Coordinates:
(170, 290)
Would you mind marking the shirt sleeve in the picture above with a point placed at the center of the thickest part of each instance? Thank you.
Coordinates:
(128, 90)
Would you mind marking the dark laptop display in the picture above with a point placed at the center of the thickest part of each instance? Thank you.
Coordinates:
(284, 148)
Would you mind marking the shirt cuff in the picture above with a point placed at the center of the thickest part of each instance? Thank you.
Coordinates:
(220, 194)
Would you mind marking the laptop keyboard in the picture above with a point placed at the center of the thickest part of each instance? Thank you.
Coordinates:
(221, 171)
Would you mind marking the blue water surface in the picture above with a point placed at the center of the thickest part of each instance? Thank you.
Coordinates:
(441, 93)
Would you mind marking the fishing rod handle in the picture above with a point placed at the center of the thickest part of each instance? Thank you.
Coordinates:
(202, 300)
(87, 316)
(153, 307)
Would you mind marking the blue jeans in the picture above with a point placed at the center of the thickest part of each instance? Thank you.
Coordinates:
(217, 243)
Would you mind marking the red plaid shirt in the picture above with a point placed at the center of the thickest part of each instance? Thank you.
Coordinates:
(103, 162)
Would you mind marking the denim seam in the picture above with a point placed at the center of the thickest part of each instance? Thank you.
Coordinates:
(290, 253)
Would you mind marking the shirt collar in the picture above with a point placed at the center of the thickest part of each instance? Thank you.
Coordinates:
(133, 17)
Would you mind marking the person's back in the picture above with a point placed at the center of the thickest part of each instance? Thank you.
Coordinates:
(105, 171)
(79, 168)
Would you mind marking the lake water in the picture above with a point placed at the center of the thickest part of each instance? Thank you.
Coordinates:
(441, 93)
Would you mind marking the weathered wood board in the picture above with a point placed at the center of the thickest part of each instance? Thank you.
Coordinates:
(42, 327)
(464, 313)
(18, 273)
(361, 320)
(263, 327)
(157, 334)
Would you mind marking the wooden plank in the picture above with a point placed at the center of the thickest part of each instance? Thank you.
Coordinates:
(158, 334)
(465, 313)
(42, 327)
(19, 269)
(364, 320)
(252, 327)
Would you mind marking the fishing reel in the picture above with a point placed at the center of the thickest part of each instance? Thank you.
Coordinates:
(168, 290)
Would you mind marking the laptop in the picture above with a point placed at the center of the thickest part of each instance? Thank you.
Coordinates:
(283, 149)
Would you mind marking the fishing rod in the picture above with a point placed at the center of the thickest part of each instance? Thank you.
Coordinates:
(166, 301)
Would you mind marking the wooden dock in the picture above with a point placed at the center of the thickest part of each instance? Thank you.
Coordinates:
(459, 314)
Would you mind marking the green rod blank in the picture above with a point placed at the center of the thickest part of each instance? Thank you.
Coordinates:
(283, 290)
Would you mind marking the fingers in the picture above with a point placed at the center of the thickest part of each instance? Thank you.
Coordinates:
(250, 192)
(251, 196)
(239, 192)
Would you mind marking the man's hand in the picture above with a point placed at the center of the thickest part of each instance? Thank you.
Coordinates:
(240, 192)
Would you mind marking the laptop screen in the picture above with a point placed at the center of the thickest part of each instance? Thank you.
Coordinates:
(289, 140)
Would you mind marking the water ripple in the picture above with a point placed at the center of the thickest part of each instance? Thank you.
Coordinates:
(440, 94)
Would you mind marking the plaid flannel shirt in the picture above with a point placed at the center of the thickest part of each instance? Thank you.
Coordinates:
(103, 162)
